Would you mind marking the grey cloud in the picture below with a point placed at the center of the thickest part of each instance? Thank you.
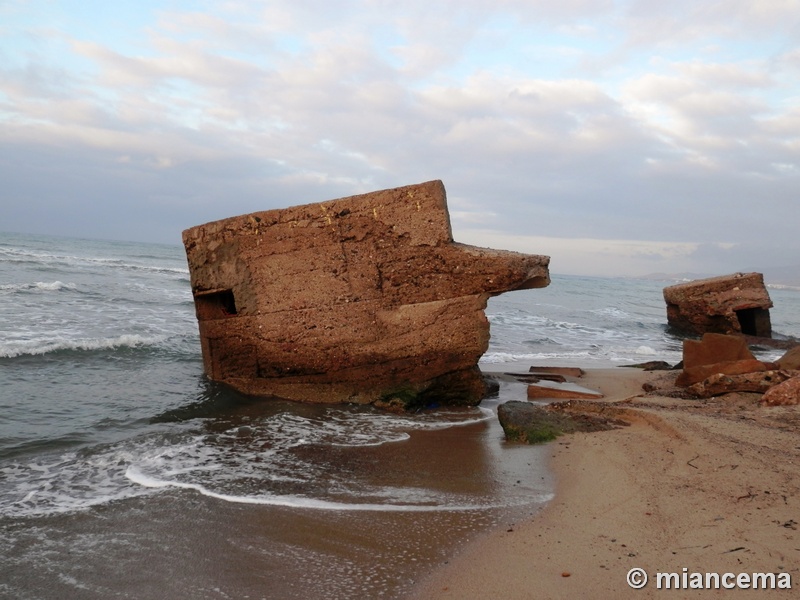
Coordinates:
(199, 130)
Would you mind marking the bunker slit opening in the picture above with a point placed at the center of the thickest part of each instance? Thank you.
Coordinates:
(215, 304)
(754, 321)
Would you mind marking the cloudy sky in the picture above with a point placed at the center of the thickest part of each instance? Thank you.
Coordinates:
(619, 137)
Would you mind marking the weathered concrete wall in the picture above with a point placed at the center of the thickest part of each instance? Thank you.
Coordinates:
(737, 303)
(362, 299)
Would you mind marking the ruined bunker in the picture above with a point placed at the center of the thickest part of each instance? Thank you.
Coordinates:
(364, 299)
(728, 304)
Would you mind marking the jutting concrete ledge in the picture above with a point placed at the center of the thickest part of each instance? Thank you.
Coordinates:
(364, 299)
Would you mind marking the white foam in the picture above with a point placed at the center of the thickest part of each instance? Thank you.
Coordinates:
(611, 311)
(780, 286)
(16, 255)
(52, 286)
(392, 428)
(290, 501)
(65, 483)
(645, 350)
(14, 348)
(281, 460)
(504, 357)
(256, 468)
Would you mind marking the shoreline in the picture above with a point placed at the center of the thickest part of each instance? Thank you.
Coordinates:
(706, 486)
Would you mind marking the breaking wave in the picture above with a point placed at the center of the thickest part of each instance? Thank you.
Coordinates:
(16, 348)
(14, 255)
(53, 286)
(316, 504)
(285, 460)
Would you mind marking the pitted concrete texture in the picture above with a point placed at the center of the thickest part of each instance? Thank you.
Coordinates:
(363, 299)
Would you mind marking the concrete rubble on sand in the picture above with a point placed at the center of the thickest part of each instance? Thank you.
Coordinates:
(723, 364)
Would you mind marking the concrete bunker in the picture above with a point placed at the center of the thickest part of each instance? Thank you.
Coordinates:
(728, 304)
(364, 299)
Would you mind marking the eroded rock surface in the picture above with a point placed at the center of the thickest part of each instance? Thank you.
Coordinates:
(720, 364)
(362, 299)
(737, 303)
(533, 424)
(790, 360)
(786, 393)
(716, 353)
(721, 383)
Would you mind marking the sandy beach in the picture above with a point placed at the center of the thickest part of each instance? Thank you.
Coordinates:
(689, 487)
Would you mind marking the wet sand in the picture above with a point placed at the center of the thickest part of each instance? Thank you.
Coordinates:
(709, 486)
(177, 543)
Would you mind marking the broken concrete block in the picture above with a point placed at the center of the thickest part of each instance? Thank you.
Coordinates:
(567, 371)
(737, 303)
(714, 348)
(364, 299)
(786, 393)
(717, 353)
(730, 367)
(720, 383)
(559, 391)
(790, 360)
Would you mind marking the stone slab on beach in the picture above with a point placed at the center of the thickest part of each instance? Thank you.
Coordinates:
(568, 371)
(560, 391)
(363, 299)
(533, 424)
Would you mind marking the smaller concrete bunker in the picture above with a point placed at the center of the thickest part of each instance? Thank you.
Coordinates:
(729, 304)
(364, 299)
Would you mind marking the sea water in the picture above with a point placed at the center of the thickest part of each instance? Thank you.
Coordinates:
(125, 473)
